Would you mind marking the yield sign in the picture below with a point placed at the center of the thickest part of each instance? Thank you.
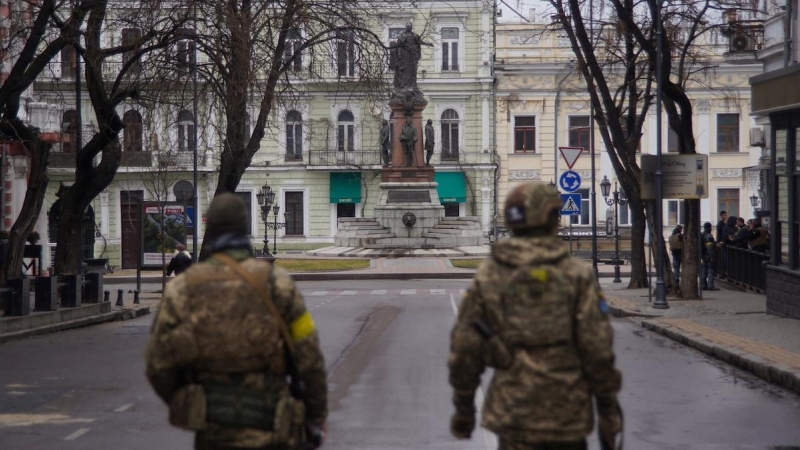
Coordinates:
(570, 154)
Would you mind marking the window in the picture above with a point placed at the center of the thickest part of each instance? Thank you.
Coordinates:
(450, 49)
(579, 131)
(394, 33)
(132, 137)
(131, 38)
(780, 232)
(345, 54)
(294, 213)
(292, 50)
(451, 209)
(185, 131)
(69, 127)
(345, 134)
(727, 132)
(675, 212)
(672, 141)
(345, 210)
(624, 215)
(187, 52)
(450, 135)
(294, 136)
(68, 62)
(728, 200)
(525, 134)
(248, 201)
(584, 218)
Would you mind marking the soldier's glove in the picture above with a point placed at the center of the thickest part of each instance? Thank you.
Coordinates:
(610, 426)
(463, 421)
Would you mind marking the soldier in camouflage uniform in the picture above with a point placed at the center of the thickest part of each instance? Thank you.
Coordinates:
(536, 315)
(217, 357)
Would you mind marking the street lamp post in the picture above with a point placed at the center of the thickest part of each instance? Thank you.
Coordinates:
(618, 199)
(265, 198)
(275, 226)
(754, 202)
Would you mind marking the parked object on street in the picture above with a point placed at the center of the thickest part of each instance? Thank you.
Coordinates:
(547, 306)
(222, 365)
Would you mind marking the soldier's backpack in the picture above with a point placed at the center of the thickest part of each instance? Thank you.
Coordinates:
(675, 242)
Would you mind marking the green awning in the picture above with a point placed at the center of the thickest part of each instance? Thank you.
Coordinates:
(345, 187)
(452, 187)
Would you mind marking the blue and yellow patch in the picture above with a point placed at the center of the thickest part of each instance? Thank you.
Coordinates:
(603, 305)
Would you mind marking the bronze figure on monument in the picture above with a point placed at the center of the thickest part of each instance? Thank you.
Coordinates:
(429, 142)
(385, 142)
(407, 51)
(409, 139)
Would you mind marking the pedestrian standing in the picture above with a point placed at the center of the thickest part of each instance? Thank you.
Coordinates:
(676, 248)
(537, 316)
(180, 261)
(708, 252)
(233, 352)
(759, 237)
(723, 219)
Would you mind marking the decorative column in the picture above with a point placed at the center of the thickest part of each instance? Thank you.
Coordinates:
(104, 212)
(486, 203)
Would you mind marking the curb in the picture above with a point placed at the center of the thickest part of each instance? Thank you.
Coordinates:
(784, 377)
(124, 314)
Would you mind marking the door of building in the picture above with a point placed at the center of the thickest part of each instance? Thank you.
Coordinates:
(294, 213)
(131, 211)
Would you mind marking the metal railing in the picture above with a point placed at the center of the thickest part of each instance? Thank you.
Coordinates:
(136, 159)
(742, 267)
(347, 158)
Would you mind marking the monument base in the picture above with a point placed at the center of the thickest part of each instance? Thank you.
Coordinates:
(422, 174)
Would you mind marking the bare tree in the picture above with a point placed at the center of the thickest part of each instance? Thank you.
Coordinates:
(618, 62)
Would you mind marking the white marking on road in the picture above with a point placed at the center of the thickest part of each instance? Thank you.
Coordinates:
(16, 393)
(488, 437)
(349, 293)
(438, 291)
(319, 293)
(378, 292)
(77, 434)
(124, 407)
(408, 292)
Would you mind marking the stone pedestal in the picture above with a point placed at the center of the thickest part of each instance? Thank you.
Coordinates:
(418, 198)
(397, 172)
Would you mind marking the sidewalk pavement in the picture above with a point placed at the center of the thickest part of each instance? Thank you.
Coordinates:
(728, 324)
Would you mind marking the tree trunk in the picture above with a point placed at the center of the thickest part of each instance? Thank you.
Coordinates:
(68, 241)
(638, 250)
(691, 250)
(666, 272)
(31, 208)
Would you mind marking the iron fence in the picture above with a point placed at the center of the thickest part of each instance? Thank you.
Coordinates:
(347, 158)
(742, 267)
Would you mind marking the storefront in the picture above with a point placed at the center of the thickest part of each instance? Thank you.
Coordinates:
(345, 195)
(452, 192)
(775, 95)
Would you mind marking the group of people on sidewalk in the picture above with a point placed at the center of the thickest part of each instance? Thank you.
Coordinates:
(731, 232)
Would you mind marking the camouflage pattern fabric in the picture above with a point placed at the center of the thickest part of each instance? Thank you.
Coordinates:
(548, 309)
(213, 329)
(508, 445)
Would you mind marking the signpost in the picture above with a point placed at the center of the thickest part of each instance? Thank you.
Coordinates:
(683, 176)
(571, 204)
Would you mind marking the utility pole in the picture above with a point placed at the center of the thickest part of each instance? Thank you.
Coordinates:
(661, 295)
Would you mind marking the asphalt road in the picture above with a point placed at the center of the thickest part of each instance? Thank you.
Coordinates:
(385, 344)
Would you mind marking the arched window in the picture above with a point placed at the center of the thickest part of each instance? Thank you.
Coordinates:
(185, 131)
(69, 127)
(345, 132)
(294, 136)
(450, 144)
(186, 54)
(132, 137)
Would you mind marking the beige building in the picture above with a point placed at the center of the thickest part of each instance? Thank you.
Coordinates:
(542, 105)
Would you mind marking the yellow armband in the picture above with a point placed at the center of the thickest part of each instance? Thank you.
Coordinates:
(302, 327)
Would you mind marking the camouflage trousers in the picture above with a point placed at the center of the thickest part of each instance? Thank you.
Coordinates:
(198, 445)
(509, 445)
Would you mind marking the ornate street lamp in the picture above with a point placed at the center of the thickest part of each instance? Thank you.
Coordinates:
(618, 199)
(754, 202)
(265, 198)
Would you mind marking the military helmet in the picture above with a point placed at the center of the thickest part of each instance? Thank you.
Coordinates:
(530, 205)
(227, 213)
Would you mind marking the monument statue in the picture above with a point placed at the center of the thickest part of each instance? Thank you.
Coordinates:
(385, 142)
(407, 52)
(408, 136)
(429, 142)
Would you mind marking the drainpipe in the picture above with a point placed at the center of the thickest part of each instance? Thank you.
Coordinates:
(787, 34)
(495, 156)
(571, 67)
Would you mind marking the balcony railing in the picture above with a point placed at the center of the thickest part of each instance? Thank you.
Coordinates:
(62, 160)
(350, 158)
(449, 156)
(293, 157)
(176, 159)
(136, 159)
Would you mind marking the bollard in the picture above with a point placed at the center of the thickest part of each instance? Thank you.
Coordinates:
(46, 298)
(119, 298)
(94, 287)
(136, 297)
(70, 290)
(106, 296)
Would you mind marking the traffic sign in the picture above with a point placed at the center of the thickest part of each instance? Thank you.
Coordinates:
(569, 181)
(190, 217)
(571, 204)
(570, 154)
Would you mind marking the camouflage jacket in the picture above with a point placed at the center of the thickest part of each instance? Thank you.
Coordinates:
(548, 310)
(213, 328)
